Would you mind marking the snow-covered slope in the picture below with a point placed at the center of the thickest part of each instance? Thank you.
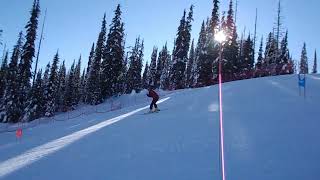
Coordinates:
(270, 133)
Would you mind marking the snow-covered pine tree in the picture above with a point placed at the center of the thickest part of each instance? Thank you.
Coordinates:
(191, 59)
(3, 75)
(135, 68)
(121, 85)
(204, 66)
(270, 55)
(160, 64)
(304, 61)
(215, 16)
(90, 60)
(70, 88)
(165, 74)
(45, 83)
(258, 70)
(145, 78)
(284, 57)
(113, 56)
(140, 59)
(171, 83)
(35, 106)
(28, 52)
(231, 47)
(240, 59)
(61, 87)
(248, 58)
(180, 55)
(315, 63)
(153, 67)
(50, 105)
(94, 93)
(194, 72)
(212, 47)
(77, 84)
(123, 76)
(83, 86)
(46, 74)
(11, 109)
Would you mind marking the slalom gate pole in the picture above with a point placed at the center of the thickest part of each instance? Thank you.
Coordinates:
(221, 118)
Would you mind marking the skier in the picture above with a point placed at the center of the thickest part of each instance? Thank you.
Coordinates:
(155, 98)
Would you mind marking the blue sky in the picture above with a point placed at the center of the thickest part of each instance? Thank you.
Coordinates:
(72, 26)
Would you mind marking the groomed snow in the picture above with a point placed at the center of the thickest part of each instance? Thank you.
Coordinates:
(270, 133)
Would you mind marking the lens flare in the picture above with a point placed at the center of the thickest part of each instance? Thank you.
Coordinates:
(220, 36)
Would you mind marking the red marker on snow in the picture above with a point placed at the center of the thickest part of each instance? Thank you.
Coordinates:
(19, 133)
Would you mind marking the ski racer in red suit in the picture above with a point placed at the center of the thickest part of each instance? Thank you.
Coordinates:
(155, 98)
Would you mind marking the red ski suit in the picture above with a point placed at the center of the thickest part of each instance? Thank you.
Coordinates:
(155, 98)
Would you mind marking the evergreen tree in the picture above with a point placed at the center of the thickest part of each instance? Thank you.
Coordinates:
(215, 16)
(83, 86)
(191, 60)
(187, 31)
(28, 52)
(212, 49)
(46, 74)
(12, 109)
(153, 68)
(315, 64)
(135, 68)
(3, 75)
(145, 78)
(260, 56)
(123, 76)
(50, 106)
(113, 57)
(248, 58)
(304, 61)
(77, 83)
(94, 95)
(140, 62)
(165, 74)
(270, 55)
(45, 83)
(35, 107)
(204, 67)
(70, 89)
(231, 47)
(230, 25)
(160, 64)
(61, 86)
(283, 59)
(90, 60)
(180, 55)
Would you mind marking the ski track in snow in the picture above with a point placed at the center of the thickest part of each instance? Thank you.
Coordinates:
(314, 77)
(71, 127)
(283, 88)
(37, 153)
